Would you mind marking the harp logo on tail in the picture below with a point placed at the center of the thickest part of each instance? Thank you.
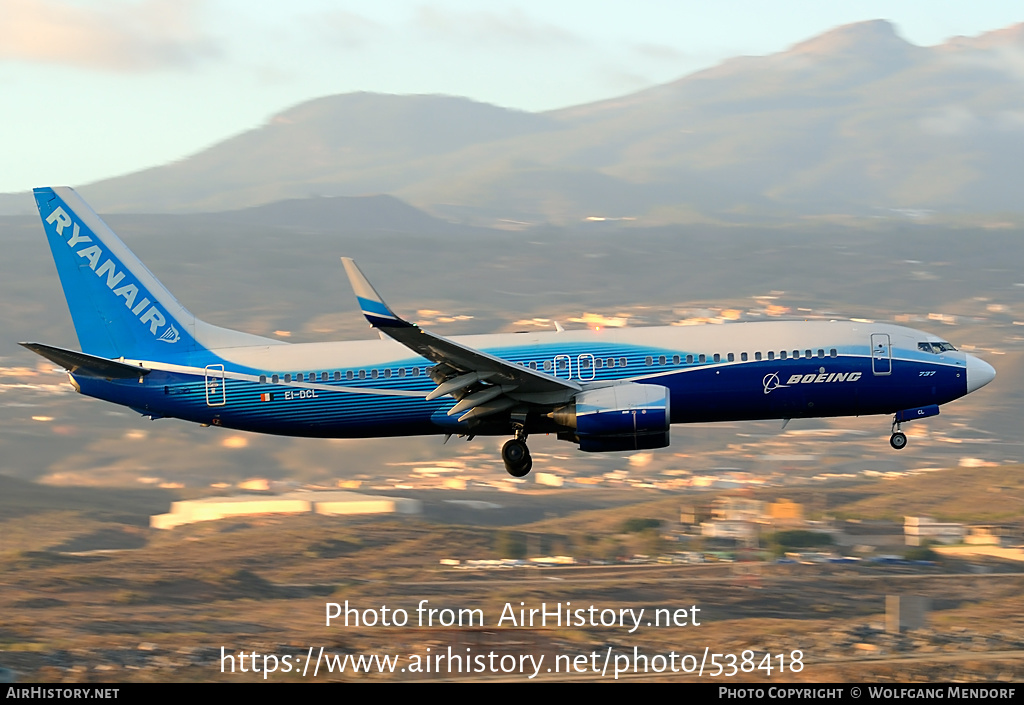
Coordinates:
(170, 335)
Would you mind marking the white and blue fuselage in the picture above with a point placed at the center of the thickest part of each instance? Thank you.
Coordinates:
(713, 373)
(607, 389)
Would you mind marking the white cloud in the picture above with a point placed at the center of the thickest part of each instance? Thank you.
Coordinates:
(1010, 120)
(114, 35)
(949, 120)
(350, 30)
(662, 53)
(513, 26)
(1006, 59)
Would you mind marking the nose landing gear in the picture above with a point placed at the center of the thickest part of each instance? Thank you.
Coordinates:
(516, 455)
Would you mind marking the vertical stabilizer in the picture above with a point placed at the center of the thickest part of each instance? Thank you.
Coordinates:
(118, 307)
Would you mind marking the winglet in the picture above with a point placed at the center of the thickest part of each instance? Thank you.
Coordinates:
(372, 305)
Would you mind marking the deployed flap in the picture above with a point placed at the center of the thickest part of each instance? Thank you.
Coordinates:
(79, 363)
(460, 358)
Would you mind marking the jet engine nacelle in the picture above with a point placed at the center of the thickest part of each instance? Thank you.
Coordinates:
(620, 417)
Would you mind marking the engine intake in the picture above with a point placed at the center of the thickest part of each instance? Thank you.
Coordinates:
(620, 417)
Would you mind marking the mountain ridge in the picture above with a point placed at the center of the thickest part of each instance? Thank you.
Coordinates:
(853, 121)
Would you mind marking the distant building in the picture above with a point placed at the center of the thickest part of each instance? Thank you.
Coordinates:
(785, 511)
(739, 530)
(331, 503)
(992, 535)
(695, 514)
(738, 509)
(919, 530)
(867, 536)
(906, 612)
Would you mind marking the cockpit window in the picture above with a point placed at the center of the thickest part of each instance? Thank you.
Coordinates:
(936, 348)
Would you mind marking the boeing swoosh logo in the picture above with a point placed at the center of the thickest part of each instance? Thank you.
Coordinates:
(771, 383)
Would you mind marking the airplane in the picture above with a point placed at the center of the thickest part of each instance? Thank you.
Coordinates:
(605, 390)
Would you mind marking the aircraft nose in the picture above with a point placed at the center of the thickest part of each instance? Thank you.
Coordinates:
(979, 373)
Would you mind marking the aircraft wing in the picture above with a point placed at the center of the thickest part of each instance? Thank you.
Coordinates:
(80, 363)
(491, 383)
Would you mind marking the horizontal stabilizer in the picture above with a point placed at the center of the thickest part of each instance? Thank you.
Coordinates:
(79, 363)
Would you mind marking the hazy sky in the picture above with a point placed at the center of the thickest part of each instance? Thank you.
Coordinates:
(95, 88)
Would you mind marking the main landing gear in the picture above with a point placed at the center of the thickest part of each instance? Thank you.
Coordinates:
(898, 439)
(516, 455)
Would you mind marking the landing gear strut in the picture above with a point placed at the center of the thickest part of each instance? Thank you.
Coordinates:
(898, 439)
(516, 455)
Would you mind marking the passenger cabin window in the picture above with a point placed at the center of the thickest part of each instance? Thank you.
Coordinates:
(401, 372)
(362, 374)
(263, 379)
(771, 354)
(832, 353)
(288, 377)
(675, 359)
(702, 358)
(274, 378)
(807, 354)
(782, 355)
(689, 359)
(821, 353)
(661, 360)
(374, 373)
(743, 357)
(757, 356)
(717, 357)
(547, 365)
(623, 362)
(349, 374)
(298, 377)
(650, 361)
(415, 371)
(732, 357)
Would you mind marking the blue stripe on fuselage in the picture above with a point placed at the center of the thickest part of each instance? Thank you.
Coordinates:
(710, 392)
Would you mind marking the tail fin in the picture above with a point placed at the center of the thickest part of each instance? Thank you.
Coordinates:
(118, 307)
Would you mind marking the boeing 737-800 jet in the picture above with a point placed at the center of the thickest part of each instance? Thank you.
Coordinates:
(607, 390)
